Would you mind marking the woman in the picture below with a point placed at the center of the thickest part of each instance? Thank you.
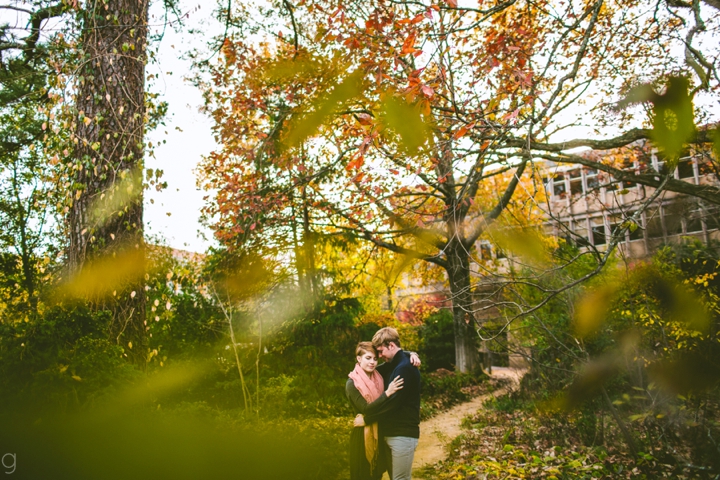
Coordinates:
(364, 389)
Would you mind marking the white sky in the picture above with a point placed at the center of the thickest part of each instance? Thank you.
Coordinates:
(174, 213)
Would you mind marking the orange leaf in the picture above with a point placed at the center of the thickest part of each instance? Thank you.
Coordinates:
(452, 3)
(408, 45)
(364, 119)
(463, 131)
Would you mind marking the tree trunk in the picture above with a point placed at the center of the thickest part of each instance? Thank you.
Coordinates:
(466, 354)
(308, 238)
(107, 214)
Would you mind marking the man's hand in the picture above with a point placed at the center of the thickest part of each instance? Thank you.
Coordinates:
(359, 421)
(415, 359)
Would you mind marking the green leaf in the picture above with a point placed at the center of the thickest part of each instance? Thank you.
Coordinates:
(673, 122)
(406, 120)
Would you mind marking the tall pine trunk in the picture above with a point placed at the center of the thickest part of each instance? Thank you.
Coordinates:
(106, 218)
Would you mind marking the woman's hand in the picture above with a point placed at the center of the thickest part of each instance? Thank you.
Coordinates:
(359, 420)
(394, 386)
(415, 359)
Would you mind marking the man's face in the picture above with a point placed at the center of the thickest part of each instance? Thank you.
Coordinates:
(387, 352)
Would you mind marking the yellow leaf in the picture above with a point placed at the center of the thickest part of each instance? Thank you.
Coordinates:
(119, 195)
(76, 378)
(104, 276)
(525, 242)
(591, 310)
(405, 119)
(305, 125)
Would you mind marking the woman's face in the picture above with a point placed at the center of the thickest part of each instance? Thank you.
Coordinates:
(367, 361)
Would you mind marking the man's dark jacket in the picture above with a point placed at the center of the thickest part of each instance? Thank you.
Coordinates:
(401, 413)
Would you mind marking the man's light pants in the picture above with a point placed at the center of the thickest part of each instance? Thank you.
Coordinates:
(402, 450)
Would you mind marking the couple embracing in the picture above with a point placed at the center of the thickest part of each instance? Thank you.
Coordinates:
(387, 401)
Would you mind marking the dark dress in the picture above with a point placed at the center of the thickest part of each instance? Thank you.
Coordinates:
(359, 466)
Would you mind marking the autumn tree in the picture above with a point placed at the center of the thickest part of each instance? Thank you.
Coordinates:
(412, 110)
(30, 58)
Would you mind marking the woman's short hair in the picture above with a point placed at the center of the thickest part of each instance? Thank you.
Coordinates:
(385, 336)
(365, 347)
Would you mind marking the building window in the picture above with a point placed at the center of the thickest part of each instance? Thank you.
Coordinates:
(686, 169)
(673, 214)
(693, 222)
(608, 182)
(705, 165)
(580, 233)
(712, 218)
(591, 180)
(485, 251)
(559, 188)
(635, 231)
(615, 223)
(598, 232)
(653, 223)
(628, 165)
(576, 187)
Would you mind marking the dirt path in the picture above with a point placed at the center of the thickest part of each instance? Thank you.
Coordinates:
(437, 432)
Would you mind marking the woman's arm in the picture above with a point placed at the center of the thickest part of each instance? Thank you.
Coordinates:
(374, 409)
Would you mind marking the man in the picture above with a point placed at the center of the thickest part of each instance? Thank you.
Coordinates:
(400, 424)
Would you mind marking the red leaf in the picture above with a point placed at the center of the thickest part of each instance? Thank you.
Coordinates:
(452, 3)
(427, 91)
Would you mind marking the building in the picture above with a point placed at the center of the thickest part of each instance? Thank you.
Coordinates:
(587, 207)
(591, 209)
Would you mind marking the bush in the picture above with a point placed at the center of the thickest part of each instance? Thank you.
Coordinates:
(61, 360)
(437, 347)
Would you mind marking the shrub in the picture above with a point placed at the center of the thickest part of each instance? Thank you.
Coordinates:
(437, 347)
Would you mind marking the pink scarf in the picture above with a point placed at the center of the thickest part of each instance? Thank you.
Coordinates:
(370, 388)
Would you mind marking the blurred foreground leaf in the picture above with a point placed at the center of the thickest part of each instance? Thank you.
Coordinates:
(156, 446)
(673, 119)
(679, 303)
(593, 377)
(692, 372)
(104, 276)
(524, 242)
(589, 383)
(405, 119)
(115, 199)
(306, 125)
(592, 309)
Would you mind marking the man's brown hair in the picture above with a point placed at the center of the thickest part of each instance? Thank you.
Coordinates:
(384, 336)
